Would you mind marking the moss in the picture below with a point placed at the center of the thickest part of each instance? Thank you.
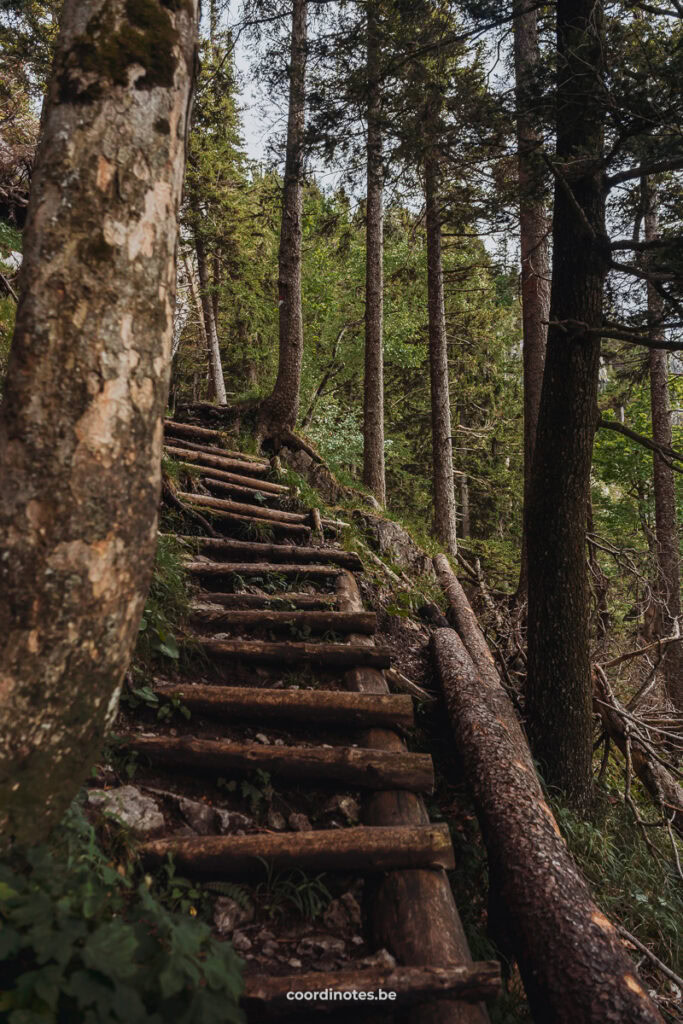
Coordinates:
(147, 37)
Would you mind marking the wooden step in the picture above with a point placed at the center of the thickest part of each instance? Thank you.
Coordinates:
(322, 707)
(216, 570)
(350, 766)
(254, 495)
(267, 486)
(471, 983)
(191, 430)
(217, 618)
(229, 519)
(209, 449)
(362, 849)
(284, 600)
(274, 552)
(321, 655)
(240, 508)
(251, 469)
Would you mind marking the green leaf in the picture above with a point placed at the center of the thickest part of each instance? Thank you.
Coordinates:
(110, 949)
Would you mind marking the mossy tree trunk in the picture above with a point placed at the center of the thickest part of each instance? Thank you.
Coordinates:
(373, 395)
(280, 410)
(559, 690)
(81, 421)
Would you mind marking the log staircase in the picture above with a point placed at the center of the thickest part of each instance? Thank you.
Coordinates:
(409, 909)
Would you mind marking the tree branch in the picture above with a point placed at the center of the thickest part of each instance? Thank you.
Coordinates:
(669, 455)
(672, 164)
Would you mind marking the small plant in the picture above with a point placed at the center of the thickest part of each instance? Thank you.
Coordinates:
(292, 891)
(257, 789)
(166, 606)
(257, 530)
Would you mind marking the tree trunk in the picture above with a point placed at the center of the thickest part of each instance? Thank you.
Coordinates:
(533, 236)
(215, 365)
(373, 395)
(668, 587)
(559, 673)
(280, 410)
(81, 421)
(442, 446)
(572, 963)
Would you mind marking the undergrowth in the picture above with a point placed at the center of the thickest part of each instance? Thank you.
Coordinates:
(84, 940)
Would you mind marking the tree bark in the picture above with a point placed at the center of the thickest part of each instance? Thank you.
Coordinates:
(533, 240)
(321, 655)
(442, 447)
(314, 621)
(215, 365)
(572, 963)
(81, 420)
(360, 848)
(373, 394)
(280, 410)
(276, 552)
(668, 586)
(559, 685)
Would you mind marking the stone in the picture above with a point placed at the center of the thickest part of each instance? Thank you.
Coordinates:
(343, 913)
(294, 962)
(270, 948)
(198, 815)
(261, 738)
(300, 823)
(275, 820)
(229, 820)
(240, 942)
(228, 914)
(392, 541)
(344, 805)
(317, 945)
(381, 959)
(134, 809)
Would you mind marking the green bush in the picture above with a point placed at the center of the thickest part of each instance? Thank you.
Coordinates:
(79, 941)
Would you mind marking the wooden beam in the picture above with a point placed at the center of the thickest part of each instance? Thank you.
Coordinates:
(217, 618)
(284, 600)
(468, 982)
(322, 655)
(322, 707)
(219, 462)
(358, 849)
(211, 570)
(241, 508)
(352, 766)
(233, 519)
(274, 552)
(267, 486)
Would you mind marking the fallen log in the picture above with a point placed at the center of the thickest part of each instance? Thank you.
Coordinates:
(412, 913)
(274, 552)
(285, 600)
(405, 685)
(218, 569)
(322, 707)
(469, 983)
(223, 505)
(209, 449)
(572, 963)
(361, 849)
(253, 495)
(315, 622)
(352, 766)
(322, 655)
(190, 430)
(219, 462)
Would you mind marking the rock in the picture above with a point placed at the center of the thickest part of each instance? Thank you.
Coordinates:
(316, 945)
(344, 805)
(391, 540)
(381, 959)
(131, 807)
(357, 940)
(276, 821)
(300, 823)
(227, 914)
(199, 816)
(343, 913)
(352, 907)
(294, 962)
(240, 942)
(270, 948)
(231, 820)
(265, 935)
(261, 738)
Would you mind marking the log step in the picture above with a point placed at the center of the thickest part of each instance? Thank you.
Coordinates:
(352, 766)
(220, 569)
(469, 983)
(205, 434)
(208, 449)
(208, 615)
(240, 508)
(285, 600)
(274, 552)
(251, 469)
(362, 848)
(293, 529)
(266, 486)
(323, 707)
(320, 655)
(253, 495)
